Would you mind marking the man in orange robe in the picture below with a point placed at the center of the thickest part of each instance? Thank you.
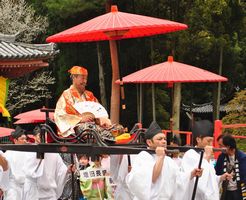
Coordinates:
(66, 116)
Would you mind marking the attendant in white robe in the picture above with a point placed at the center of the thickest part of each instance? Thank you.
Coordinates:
(4, 173)
(45, 178)
(156, 176)
(208, 183)
(119, 168)
(15, 160)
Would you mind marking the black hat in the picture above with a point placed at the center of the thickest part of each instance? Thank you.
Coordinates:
(18, 132)
(36, 130)
(203, 128)
(153, 129)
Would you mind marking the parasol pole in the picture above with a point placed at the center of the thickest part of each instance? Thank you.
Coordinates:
(72, 177)
(115, 91)
(153, 101)
(152, 85)
(141, 103)
(138, 100)
(197, 178)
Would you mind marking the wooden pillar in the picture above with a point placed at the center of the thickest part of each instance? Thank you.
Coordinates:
(115, 88)
(176, 105)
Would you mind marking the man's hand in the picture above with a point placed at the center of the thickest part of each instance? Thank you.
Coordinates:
(226, 176)
(160, 151)
(71, 168)
(104, 122)
(208, 152)
(87, 117)
(196, 172)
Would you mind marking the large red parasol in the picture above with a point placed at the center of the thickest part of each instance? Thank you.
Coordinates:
(115, 26)
(172, 72)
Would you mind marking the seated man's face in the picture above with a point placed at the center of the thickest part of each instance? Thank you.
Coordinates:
(80, 81)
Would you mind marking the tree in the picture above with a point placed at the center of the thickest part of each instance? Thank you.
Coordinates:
(19, 17)
(24, 93)
(236, 114)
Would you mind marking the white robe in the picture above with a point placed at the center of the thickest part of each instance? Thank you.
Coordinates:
(119, 171)
(4, 178)
(208, 183)
(139, 180)
(17, 175)
(45, 178)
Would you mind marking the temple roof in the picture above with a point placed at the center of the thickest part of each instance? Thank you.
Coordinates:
(9, 49)
(18, 59)
(207, 108)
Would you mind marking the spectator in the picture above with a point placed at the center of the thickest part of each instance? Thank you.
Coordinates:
(233, 161)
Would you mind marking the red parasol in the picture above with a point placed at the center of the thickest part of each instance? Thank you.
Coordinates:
(115, 26)
(33, 116)
(28, 121)
(171, 72)
(5, 131)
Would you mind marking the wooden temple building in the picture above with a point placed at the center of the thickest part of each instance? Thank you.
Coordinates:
(18, 59)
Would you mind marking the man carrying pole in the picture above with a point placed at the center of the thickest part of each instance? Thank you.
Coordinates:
(156, 176)
(207, 188)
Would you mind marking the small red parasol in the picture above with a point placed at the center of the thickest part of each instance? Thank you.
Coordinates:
(33, 116)
(5, 131)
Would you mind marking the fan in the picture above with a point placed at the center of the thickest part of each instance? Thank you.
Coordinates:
(92, 107)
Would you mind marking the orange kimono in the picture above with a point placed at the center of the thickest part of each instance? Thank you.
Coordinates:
(66, 116)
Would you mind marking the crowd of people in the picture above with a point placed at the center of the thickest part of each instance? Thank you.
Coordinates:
(149, 175)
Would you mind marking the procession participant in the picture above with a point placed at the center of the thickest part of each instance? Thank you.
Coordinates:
(156, 176)
(96, 186)
(220, 141)
(119, 168)
(15, 160)
(4, 174)
(45, 178)
(208, 184)
(84, 161)
(66, 116)
(233, 161)
(175, 156)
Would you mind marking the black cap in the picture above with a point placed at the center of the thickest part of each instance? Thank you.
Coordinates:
(153, 129)
(18, 132)
(203, 128)
(36, 130)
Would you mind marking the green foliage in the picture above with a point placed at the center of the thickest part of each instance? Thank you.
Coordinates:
(68, 8)
(161, 103)
(236, 114)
